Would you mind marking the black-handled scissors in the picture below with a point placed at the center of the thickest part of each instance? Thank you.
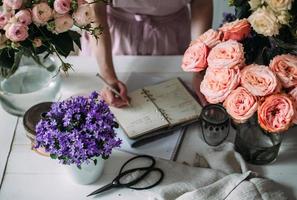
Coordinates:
(117, 183)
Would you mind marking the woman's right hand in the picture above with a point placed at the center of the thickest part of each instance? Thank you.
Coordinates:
(111, 98)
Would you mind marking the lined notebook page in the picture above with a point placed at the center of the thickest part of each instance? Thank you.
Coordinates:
(140, 117)
(173, 99)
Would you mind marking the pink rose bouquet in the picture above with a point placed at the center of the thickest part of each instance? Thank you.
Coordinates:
(245, 90)
(42, 27)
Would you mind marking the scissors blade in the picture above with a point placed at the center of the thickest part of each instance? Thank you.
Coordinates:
(102, 189)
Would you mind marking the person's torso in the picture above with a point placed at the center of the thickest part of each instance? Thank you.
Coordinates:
(150, 7)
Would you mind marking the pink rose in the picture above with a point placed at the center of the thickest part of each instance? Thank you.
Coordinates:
(17, 32)
(236, 30)
(195, 58)
(84, 15)
(63, 23)
(259, 80)
(275, 114)
(293, 93)
(62, 6)
(13, 4)
(4, 18)
(41, 13)
(285, 67)
(241, 105)
(227, 54)
(218, 83)
(24, 17)
(210, 38)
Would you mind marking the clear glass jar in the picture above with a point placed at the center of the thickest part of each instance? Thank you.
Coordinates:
(30, 84)
(256, 145)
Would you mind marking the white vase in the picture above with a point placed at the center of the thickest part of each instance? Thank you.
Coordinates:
(88, 174)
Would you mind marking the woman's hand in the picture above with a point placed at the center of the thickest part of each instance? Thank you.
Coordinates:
(111, 98)
(196, 81)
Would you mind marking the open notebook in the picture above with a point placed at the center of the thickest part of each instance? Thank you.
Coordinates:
(161, 106)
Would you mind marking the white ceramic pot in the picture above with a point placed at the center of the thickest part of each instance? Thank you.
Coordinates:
(89, 173)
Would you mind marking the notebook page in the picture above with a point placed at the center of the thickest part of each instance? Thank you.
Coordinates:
(174, 100)
(140, 117)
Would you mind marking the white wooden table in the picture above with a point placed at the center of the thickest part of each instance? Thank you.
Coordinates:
(29, 176)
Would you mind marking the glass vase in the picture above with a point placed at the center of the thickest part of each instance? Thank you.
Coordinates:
(30, 84)
(256, 145)
(88, 173)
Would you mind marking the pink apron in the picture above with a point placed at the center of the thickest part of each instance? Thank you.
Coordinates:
(148, 27)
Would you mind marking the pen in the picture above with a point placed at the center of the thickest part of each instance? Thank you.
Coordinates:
(109, 86)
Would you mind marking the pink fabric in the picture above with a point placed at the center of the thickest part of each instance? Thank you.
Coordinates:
(141, 34)
(150, 7)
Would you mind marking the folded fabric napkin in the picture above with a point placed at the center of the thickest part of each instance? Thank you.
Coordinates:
(227, 179)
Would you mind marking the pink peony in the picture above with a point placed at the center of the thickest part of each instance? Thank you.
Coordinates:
(218, 83)
(24, 17)
(227, 54)
(63, 23)
(4, 18)
(236, 30)
(275, 114)
(84, 15)
(293, 93)
(241, 105)
(259, 80)
(285, 67)
(41, 13)
(195, 58)
(17, 32)
(13, 4)
(62, 6)
(210, 38)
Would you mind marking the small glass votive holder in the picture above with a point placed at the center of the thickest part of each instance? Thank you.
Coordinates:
(215, 124)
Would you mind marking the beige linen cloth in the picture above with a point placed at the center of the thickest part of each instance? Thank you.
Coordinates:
(226, 179)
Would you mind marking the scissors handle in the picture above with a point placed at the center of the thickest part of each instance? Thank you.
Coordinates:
(153, 184)
(104, 188)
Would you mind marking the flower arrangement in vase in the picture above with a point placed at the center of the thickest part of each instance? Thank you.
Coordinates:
(31, 28)
(245, 90)
(34, 35)
(79, 132)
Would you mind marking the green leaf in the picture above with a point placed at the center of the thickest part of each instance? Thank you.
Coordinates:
(95, 162)
(53, 156)
(75, 37)
(63, 44)
(79, 167)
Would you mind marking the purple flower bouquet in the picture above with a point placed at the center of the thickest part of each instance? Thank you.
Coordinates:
(77, 130)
